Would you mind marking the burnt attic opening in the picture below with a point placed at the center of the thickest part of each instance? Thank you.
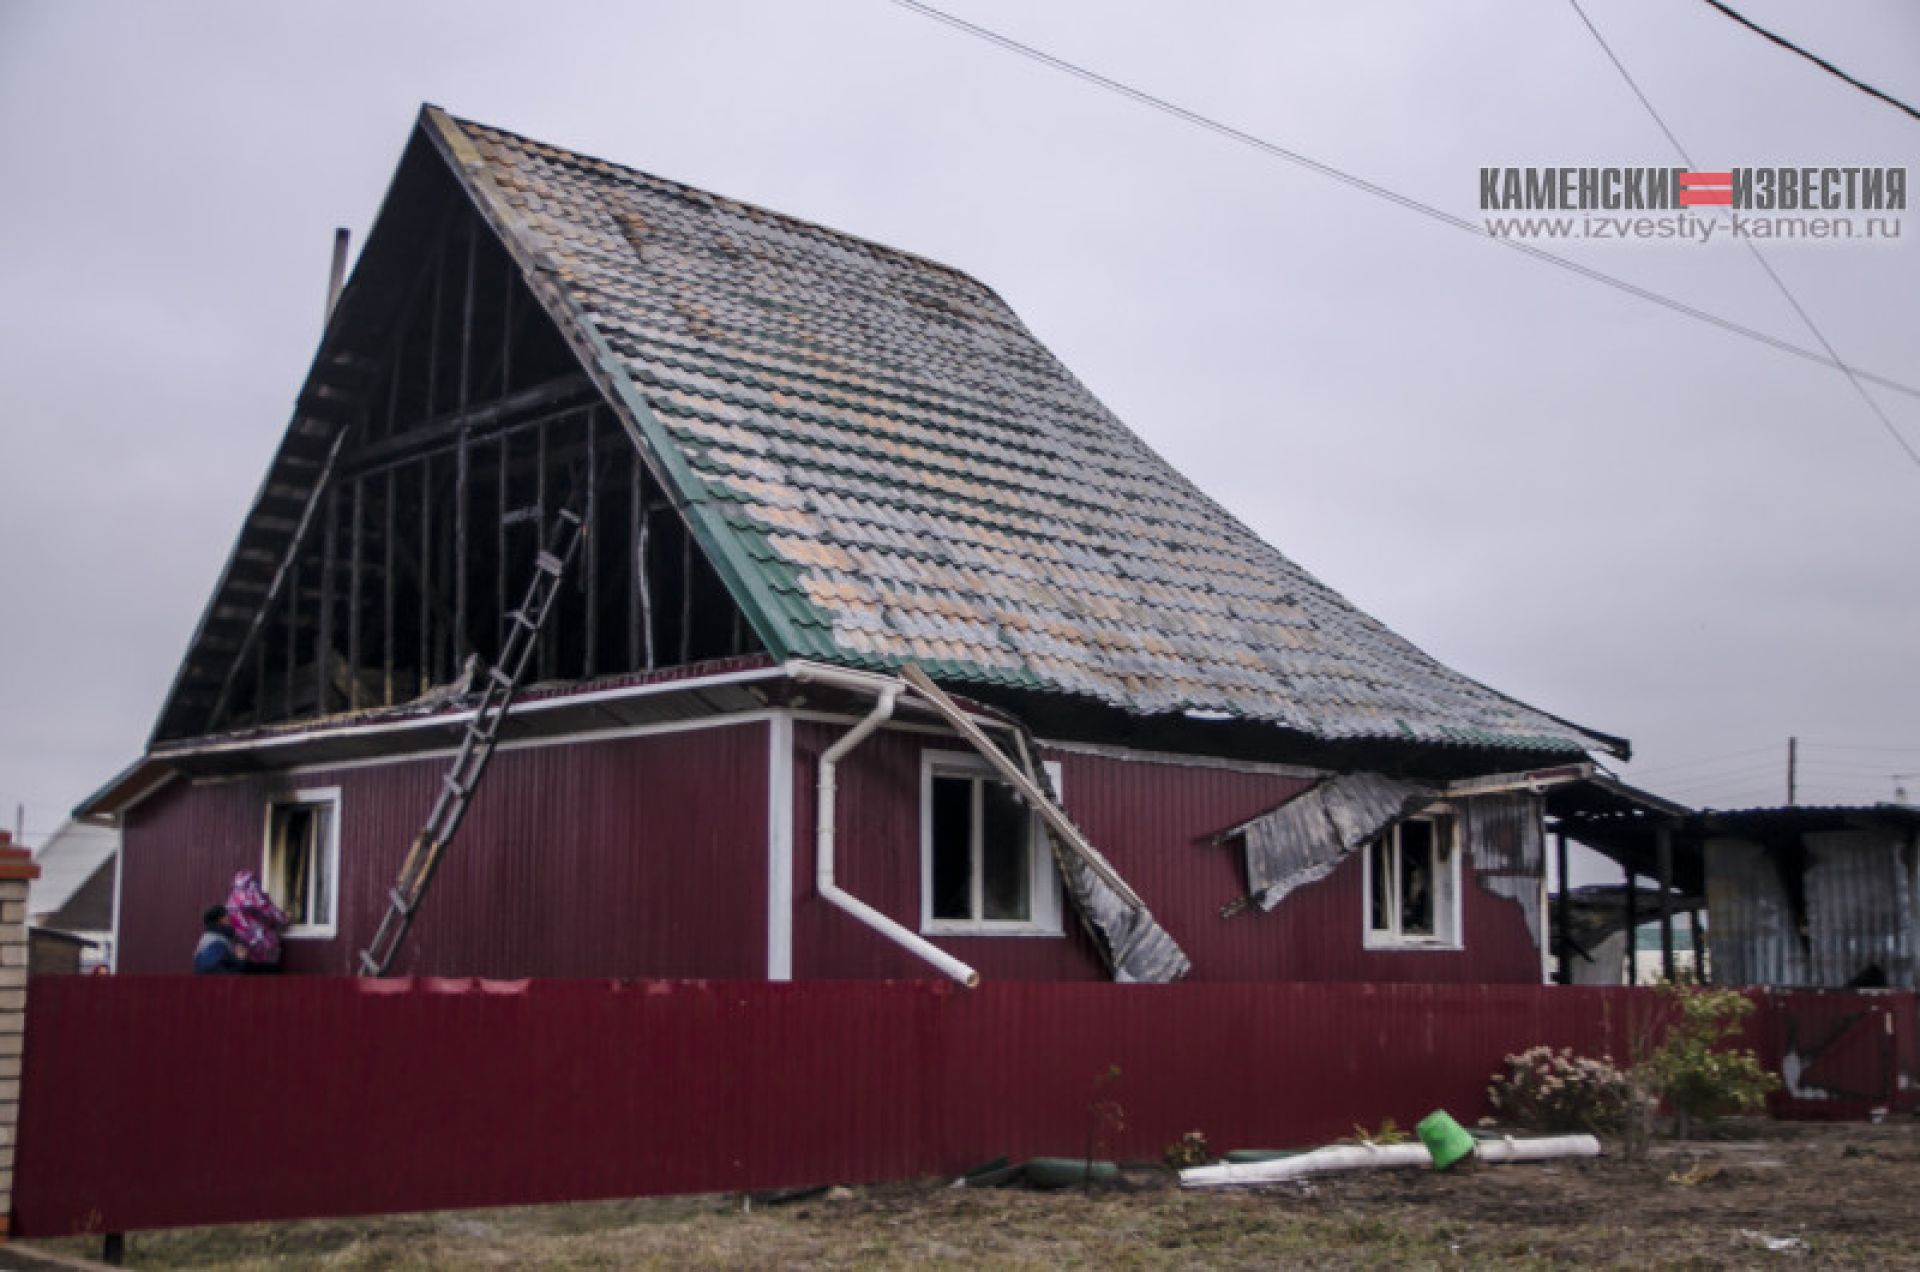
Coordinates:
(373, 568)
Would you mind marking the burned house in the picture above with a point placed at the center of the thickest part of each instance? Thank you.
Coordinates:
(1819, 897)
(882, 647)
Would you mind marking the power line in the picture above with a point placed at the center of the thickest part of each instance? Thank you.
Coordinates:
(1815, 58)
(1732, 770)
(1899, 439)
(1277, 151)
(1708, 775)
(1714, 758)
(1857, 766)
(1771, 778)
(1841, 746)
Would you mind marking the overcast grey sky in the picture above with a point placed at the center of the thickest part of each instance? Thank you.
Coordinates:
(1607, 510)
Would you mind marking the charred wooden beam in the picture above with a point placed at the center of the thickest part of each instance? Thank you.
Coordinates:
(259, 682)
(462, 480)
(405, 312)
(1633, 929)
(589, 661)
(1663, 849)
(500, 544)
(326, 402)
(479, 423)
(549, 647)
(288, 565)
(357, 366)
(433, 326)
(323, 636)
(386, 588)
(466, 316)
(355, 541)
(1563, 912)
(637, 576)
(425, 668)
(293, 641)
(510, 274)
(399, 365)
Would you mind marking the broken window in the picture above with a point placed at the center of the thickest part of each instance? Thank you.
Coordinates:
(301, 868)
(1413, 884)
(985, 864)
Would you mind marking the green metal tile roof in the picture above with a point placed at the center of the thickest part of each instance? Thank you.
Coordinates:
(887, 466)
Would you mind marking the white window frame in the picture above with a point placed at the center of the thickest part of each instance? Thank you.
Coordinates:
(1043, 888)
(329, 860)
(1449, 933)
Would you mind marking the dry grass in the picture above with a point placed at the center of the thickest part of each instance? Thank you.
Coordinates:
(1844, 1193)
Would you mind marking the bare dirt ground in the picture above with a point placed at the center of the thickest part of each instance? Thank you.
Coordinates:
(1756, 1195)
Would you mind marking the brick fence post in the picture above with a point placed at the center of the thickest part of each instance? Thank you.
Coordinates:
(16, 871)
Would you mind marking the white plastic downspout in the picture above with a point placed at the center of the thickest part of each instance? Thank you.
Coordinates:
(1345, 1157)
(823, 848)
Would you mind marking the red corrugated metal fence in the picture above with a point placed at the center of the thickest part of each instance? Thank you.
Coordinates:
(152, 1102)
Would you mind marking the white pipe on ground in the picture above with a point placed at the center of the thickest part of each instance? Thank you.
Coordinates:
(826, 790)
(1509, 1149)
(1345, 1157)
(1321, 1161)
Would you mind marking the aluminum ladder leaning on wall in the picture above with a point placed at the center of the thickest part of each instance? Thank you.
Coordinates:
(476, 748)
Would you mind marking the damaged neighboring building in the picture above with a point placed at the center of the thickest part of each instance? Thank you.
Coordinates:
(1819, 897)
(887, 648)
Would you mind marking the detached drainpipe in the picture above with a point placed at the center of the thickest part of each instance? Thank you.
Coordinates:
(823, 849)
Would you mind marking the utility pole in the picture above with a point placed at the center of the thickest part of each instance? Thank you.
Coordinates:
(1793, 772)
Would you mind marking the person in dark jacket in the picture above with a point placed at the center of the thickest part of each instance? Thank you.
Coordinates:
(217, 954)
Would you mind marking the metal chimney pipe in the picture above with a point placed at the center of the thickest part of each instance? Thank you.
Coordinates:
(339, 274)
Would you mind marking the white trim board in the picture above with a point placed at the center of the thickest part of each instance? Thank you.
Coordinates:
(780, 846)
(612, 733)
(1100, 749)
(1182, 760)
(437, 720)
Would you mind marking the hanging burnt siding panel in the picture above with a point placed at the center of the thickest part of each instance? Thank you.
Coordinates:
(1505, 839)
(1303, 840)
(384, 570)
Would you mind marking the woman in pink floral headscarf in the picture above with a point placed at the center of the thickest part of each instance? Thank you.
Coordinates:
(256, 922)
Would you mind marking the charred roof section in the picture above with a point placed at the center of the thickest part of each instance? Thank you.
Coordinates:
(877, 462)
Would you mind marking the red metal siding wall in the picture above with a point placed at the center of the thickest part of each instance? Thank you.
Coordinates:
(425, 1095)
(1152, 819)
(637, 856)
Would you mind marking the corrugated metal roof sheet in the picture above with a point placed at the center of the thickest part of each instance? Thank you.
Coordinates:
(890, 467)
